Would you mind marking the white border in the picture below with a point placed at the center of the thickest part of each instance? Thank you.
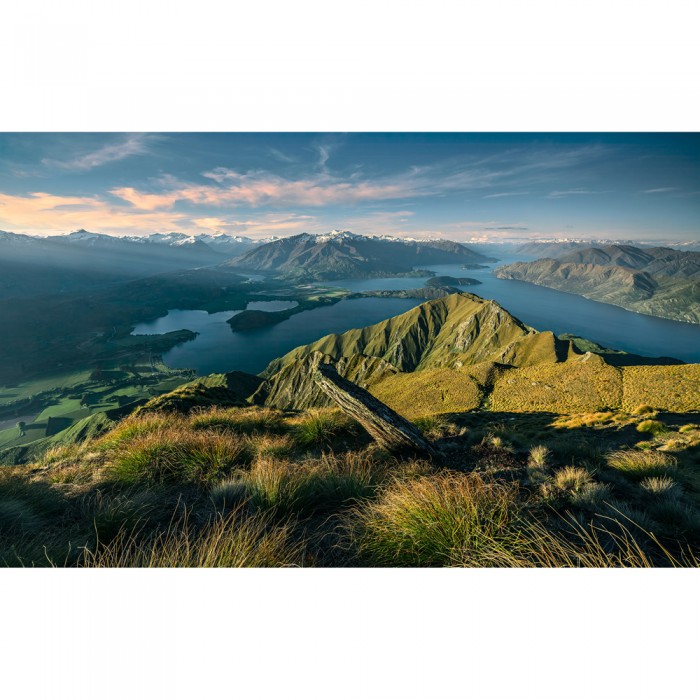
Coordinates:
(307, 66)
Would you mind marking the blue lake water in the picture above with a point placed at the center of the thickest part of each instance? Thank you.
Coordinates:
(218, 349)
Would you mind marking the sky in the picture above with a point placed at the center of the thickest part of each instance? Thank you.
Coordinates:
(460, 186)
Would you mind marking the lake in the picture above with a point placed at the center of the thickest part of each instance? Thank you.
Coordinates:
(218, 349)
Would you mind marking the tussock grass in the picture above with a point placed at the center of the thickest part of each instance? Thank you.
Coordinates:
(638, 465)
(430, 391)
(170, 455)
(591, 496)
(238, 420)
(139, 425)
(320, 427)
(310, 486)
(235, 540)
(676, 514)
(436, 427)
(266, 445)
(669, 387)
(463, 520)
(571, 478)
(642, 409)
(660, 486)
(443, 520)
(653, 427)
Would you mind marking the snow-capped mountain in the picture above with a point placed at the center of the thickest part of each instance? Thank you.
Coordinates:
(338, 254)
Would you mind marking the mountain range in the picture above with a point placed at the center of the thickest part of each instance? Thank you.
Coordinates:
(341, 254)
(656, 281)
(33, 266)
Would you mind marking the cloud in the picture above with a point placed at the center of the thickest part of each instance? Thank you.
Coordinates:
(557, 194)
(258, 188)
(504, 194)
(145, 201)
(230, 188)
(40, 212)
(130, 145)
(659, 189)
(281, 156)
(506, 228)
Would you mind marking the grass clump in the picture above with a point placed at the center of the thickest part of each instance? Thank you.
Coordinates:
(436, 427)
(307, 487)
(638, 465)
(660, 486)
(653, 427)
(442, 520)
(321, 426)
(173, 456)
(538, 463)
(238, 420)
(235, 540)
(642, 409)
(571, 479)
(137, 426)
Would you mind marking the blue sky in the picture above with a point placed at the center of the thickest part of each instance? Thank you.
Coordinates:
(460, 186)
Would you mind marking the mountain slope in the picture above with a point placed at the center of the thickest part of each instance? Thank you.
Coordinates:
(656, 281)
(342, 254)
(452, 331)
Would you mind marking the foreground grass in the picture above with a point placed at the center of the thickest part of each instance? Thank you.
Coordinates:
(254, 487)
(235, 540)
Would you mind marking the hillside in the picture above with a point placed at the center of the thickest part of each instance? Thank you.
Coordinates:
(341, 254)
(461, 352)
(541, 454)
(655, 281)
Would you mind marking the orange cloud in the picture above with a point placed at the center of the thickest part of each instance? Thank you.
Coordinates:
(40, 212)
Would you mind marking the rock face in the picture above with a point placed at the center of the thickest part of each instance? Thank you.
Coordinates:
(341, 254)
(656, 281)
(387, 427)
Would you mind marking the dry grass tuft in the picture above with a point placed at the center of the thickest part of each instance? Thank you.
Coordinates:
(177, 455)
(661, 486)
(238, 420)
(319, 427)
(653, 427)
(442, 520)
(641, 464)
(235, 540)
(310, 486)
